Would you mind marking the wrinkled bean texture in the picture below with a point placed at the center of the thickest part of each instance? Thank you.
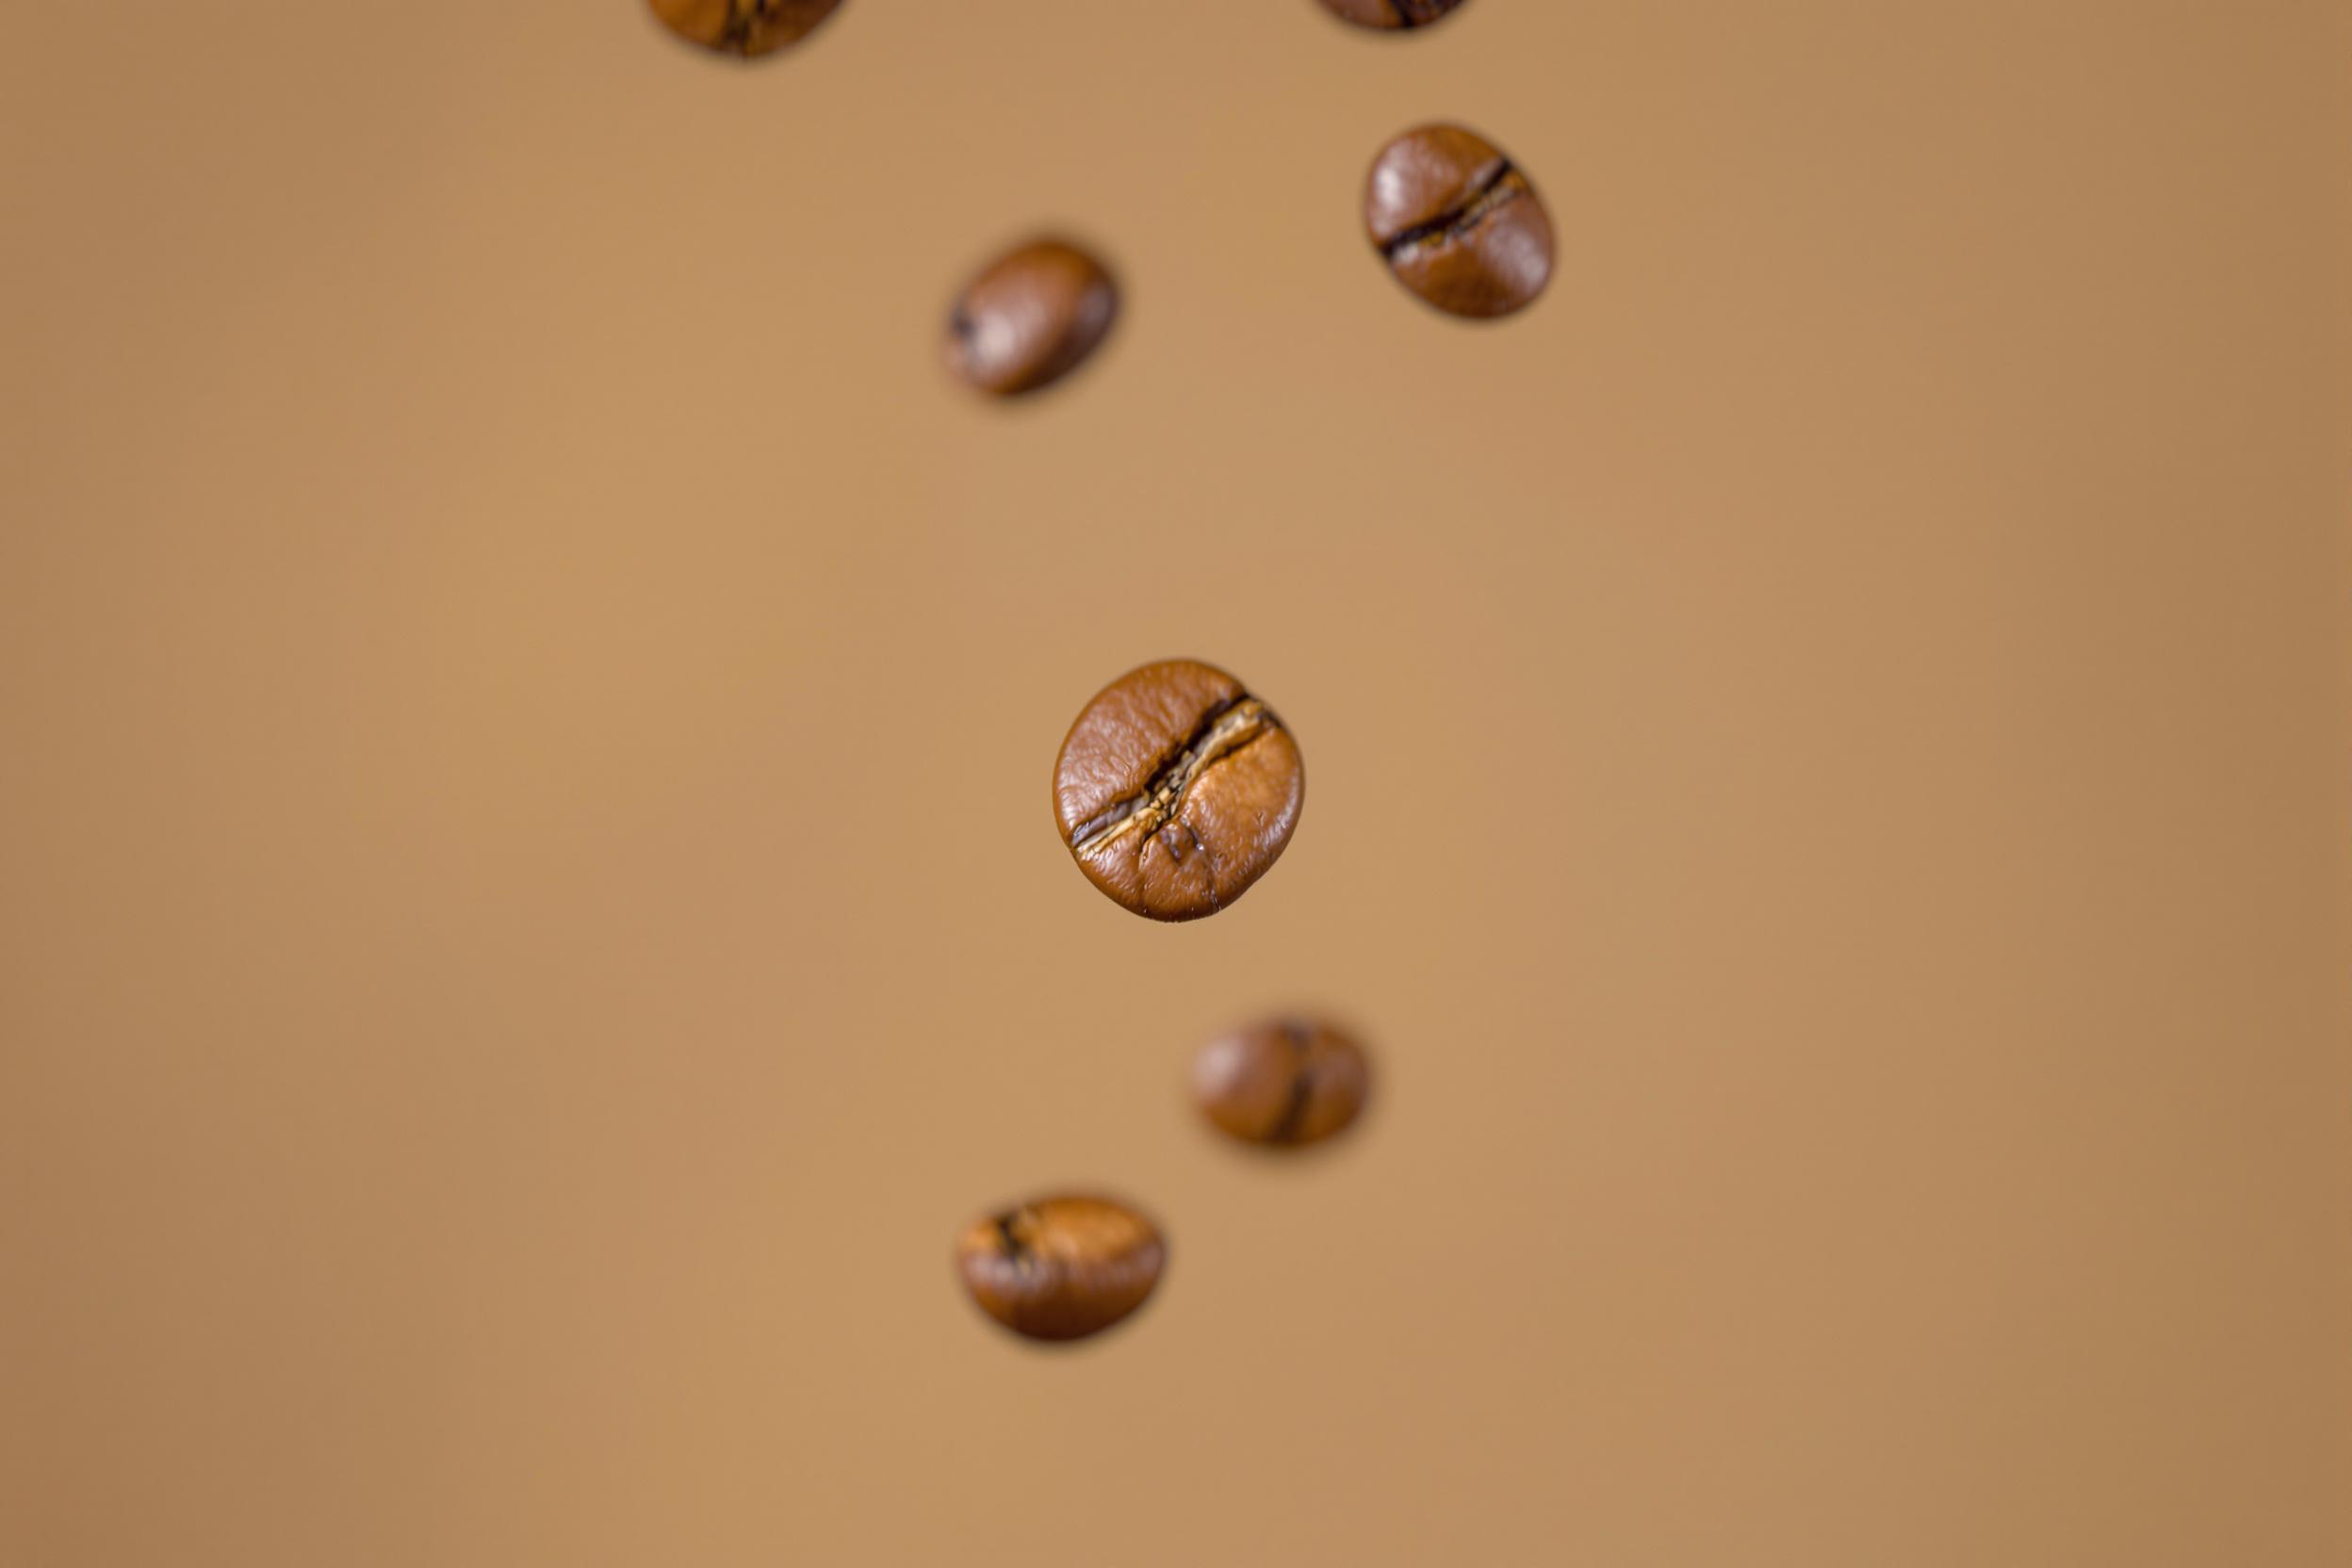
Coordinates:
(1061, 1268)
(1458, 223)
(748, 28)
(1030, 318)
(1283, 1082)
(1391, 15)
(1176, 789)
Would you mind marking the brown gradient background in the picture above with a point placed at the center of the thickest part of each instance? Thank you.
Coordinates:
(529, 916)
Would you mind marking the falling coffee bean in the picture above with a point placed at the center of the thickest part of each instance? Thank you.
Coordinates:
(1030, 318)
(1061, 1268)
(748, 28)
(1392, 14)
(1458, 223)
(1176, 788)
(1284, 1082)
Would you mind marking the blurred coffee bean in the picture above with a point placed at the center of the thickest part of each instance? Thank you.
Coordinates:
(1060, 1268)
(1283, 1081)
(1176, 789)
(1030, 318)
(748, 28)
(1392, 14)
(1458, 223)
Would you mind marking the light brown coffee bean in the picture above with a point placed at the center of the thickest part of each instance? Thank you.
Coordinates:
(1390, 15)
(1176, 789)
(1061, 1268)
(1030, 318)
(1458, 223)
(745, 29)
(1284, 1082)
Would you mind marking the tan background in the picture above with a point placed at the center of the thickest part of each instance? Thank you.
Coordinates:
(528, 914)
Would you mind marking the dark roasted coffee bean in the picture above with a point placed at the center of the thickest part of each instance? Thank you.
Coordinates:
(1176, 789)
(1284, 1081)
(1061, 1267)
(1458, 223)
(1030, 318)
(745, 28)
(1390, 14)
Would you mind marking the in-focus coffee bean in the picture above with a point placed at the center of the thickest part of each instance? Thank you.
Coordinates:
(1030, 318)
(748, 28)
(1059, 1268)
(1176, 788)
(1458, 223)
(1393, 14)
(1283, 1081)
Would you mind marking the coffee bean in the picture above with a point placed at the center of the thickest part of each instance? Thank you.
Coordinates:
(748, 28)
(1060, 1268)
(1176, 788)
(1392, 14)
(1284, 1081)
(1458, 223)
(1030, 318)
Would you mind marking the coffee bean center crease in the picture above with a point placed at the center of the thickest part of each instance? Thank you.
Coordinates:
(1285, 1128)
(1501, 188)
(1223, 731)
(743, 16)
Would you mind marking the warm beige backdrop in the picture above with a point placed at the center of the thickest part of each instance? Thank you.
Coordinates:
(528, 913)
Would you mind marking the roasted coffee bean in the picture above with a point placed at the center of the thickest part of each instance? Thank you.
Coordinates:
(748, 28)
(1061, 1267)
(1030, 318)
(1176, 789)
(1458, 223)
(1392, 14)
(1284, 1081)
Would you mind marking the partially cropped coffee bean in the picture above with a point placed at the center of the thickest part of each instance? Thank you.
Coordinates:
(1030, 318)
(1284, 1081)
(1393, 14)
(1060, 1268)
(1176, 788)
(748, 28)
(1458, 223)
